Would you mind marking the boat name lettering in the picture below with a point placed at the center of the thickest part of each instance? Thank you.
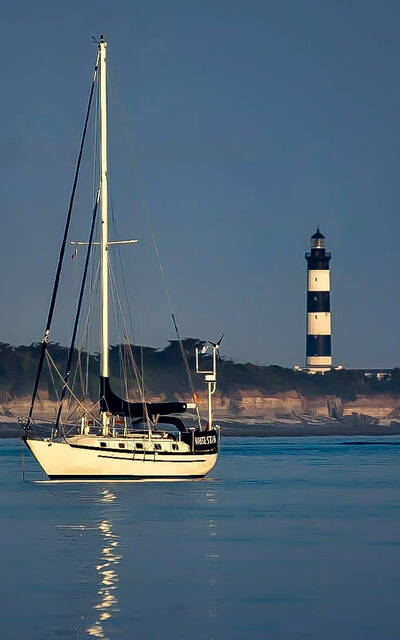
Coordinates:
(205, 440)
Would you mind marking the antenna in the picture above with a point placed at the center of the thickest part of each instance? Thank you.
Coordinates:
(210, 374)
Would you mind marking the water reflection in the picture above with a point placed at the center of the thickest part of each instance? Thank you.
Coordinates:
(101, 569)
(213, 560)
(107, 605)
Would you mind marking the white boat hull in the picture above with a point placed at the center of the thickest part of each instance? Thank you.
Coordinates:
(63, 461)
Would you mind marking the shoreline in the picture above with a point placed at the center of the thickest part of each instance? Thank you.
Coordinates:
(11, 429)
(232, 430)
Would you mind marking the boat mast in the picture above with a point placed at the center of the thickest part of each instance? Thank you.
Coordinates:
(104, 363)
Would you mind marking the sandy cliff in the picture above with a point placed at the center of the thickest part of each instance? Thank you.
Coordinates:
(248, 404)
(253, 403)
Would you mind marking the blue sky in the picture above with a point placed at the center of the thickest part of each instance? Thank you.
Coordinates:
(240, 126)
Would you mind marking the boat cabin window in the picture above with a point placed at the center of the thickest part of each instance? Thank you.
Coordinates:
(121, 445)
(175, 447)
(157, 447)
(103, 444)
(139, 445)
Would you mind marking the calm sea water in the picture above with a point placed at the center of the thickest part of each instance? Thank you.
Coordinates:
(288, 538)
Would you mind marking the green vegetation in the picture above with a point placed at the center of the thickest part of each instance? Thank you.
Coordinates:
(165, 375)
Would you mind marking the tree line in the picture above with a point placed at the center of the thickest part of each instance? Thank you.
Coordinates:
(163, 373)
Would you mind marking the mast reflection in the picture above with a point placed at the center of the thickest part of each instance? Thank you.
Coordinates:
(107, 605)
(213, 559)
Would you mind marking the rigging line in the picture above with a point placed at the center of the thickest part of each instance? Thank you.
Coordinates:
(114, 88)
(118, 331)
(78, 309)
(125, 328)
(126, 336)
(85, 331)
(128, 370)
(95, 180)
(114, 91)
(93, 288)
(122, 375)
(130, 314)
(124, 363)
(87, 366)
(77, 370)
(122, 359)
(175, 325)
(52, 377)
(63, 244)
(122, 371)
(141, 387)
(95, 144)
(81, 376)
(83, 368)
(163, 276)
(86, 411)
(23, 459)
(84, 335)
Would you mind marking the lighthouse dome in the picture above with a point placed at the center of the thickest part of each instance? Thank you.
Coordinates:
(317, 240)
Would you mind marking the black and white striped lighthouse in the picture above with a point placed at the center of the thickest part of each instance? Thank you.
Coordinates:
(319, 327)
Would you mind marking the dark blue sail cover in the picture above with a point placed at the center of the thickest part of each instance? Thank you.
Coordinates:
(109, 401)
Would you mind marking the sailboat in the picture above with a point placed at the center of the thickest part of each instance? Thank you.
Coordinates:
(121, 439)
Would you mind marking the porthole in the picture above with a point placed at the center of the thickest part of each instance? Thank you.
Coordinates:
(139, 445)
(103, 444)
(157, 447)
(121, 445)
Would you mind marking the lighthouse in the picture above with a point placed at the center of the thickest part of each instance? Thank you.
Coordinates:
(319, 326)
